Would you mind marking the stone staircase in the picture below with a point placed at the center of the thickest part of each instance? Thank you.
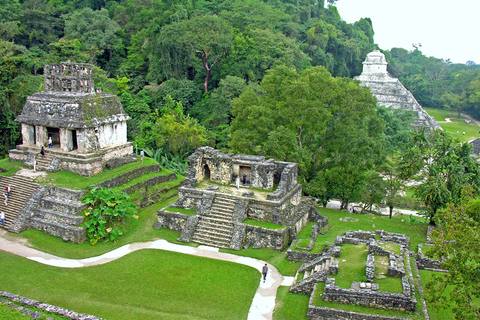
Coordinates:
(59, 214)
(216, 228)
(313, 272)
(22, 188)
(43, 163)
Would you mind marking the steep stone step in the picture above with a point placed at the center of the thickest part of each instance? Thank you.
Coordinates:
(22, 189)
(60, 217)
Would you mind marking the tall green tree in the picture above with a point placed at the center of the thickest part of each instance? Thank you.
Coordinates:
(443, 166)
(457, 241)
(208, 37)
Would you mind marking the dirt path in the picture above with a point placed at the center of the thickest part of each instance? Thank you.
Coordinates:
(263, 302)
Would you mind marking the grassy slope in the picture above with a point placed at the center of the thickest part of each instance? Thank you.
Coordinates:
(74, 181)
(148, 284)
(433, 312)
(471, 129)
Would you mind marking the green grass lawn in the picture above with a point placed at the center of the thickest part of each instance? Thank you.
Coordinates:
(147, 284)
(471, 129)
(369, 222)
(390, 284)
(12, 167)
(189, 212)
(264, 224)
(74, 181)
(351, 265)
(290, 306)
(306, 232)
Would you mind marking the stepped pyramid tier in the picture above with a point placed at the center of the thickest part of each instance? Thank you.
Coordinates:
(220, 207)
(390, 92)
(81, 126)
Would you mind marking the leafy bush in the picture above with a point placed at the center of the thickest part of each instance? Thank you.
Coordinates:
(106, 213)
(176, 163)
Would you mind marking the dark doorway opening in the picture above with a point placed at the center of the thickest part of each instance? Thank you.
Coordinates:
(247, 171)
(55, 134)
(206, 171)
(74, 140)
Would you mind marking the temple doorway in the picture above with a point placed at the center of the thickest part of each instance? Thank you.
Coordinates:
(245, 170)
(74, 140)
(206, 171)
(55, 134)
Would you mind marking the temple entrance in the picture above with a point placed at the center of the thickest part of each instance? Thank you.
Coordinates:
(55, 134)
(206, 171)
(245, 170)
(74, 140)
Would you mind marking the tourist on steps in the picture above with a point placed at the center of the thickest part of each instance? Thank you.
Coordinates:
(50, 143)
(237, 182)
(5, 199)
(9, 190)
(2, 217)
(42, 152)
(264, 272)
(34, 164)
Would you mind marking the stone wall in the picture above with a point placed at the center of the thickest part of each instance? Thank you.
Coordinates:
(324, 313)
(398, 238)
(425, 263)
(288, 181)
(22, 220)
(150, 182)
(368, 298)
(171, 220)
(128, 176)
(29, 303)
(260, 237)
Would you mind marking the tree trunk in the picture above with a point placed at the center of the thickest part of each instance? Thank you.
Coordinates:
(206, 79)
(391, 211)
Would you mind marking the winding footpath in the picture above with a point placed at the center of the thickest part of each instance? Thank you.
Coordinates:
(263, 302)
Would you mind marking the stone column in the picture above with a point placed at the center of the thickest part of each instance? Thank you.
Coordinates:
(81, 140)
(66, 139)
(41, 138)
(28, 134)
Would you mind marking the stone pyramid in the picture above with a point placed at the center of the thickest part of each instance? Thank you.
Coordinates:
(390, 92)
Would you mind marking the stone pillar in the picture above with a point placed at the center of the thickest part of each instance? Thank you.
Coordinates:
(81, 140)
(41, 138)
(28, 134)
(66, 139)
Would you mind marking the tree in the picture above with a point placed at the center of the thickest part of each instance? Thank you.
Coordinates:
(94, 28)
(209, 37)
(374, 190)
(322, 123)
(393, 184)
(443, 165)
(457, 241)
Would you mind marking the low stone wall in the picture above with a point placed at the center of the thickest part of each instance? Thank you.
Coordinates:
(288, 180)
(150, 182)
(398, 238)
(302, 256)
(375, 249)
(425, 263)
(69, 314)
(171, 220)
(368, 298)
(370, 270)
(395, 267)
(324, 313)
(128, 176)
(266, 238)
(117, 162)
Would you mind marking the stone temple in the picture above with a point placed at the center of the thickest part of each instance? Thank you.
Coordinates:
(390, 92)
(88, 128)
(228, 217)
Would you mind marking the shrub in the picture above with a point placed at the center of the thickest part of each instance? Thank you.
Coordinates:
(106, 213)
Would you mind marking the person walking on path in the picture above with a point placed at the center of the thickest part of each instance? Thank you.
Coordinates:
(2, 217)
(237, 182)
(244, 178)
(5, 197)
(42, 152)
(264, 272)
(136, 149)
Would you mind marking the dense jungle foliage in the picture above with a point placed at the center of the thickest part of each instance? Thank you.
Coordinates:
(253, 76)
